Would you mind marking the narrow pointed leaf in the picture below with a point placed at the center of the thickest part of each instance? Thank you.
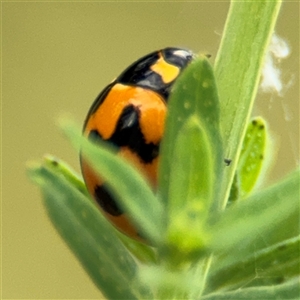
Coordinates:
(141, 251)
(89, 235)
(191, 187)
(129, 188)
(288, 290)
(252, 156)
(61, 167)
(194, 94)
(238, 69)
(251, 160)
(264, 219)
(269, 266)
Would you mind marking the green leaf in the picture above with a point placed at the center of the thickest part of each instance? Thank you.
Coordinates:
(251, 160)
(238, 65)
(191, 188)
(264, 219)
(288, 290)
(141, 251)
(127, 185)
(61, 167)
(194, 94)
(252, 155)
(89, 235)
(270, 266)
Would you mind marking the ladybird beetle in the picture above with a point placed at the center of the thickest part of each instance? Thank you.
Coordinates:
(130, 114)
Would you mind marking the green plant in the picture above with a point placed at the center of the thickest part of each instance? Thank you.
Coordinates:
(210, 237)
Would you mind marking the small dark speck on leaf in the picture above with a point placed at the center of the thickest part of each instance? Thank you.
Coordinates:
(227, 161)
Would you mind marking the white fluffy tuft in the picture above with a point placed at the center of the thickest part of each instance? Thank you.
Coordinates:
(271, 74)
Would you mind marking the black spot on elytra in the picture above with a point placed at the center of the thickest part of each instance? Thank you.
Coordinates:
(106, 201)
(128, 134)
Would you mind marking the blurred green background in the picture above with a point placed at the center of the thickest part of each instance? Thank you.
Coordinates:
(56, 58)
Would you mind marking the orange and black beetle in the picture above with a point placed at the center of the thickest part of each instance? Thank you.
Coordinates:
(130, 114)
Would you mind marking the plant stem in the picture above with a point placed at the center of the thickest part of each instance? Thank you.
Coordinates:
(238, 65)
